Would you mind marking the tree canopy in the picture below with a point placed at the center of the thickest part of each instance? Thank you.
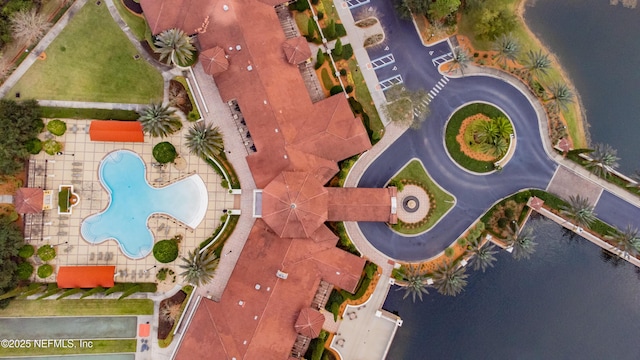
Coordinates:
(11, 241)
(19, 123)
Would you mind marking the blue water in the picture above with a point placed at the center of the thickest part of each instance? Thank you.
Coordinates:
(133, 200)
(566, 302)
(597, 45)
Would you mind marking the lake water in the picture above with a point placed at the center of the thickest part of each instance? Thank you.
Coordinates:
(598, 46)
(565, 302)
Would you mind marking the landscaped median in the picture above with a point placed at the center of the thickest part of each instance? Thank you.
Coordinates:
(439, 201)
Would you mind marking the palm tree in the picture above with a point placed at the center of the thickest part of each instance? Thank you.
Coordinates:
(508, 49)
(483, 254)
(626, 241)
(503, 126)
(204, 140)
(449, 279)
(174, 46)
(497, 147)
(199, 267)
(521, 242)
(159, 121)
(580, 211)
(460, 60)
(485, 131)
(561, 96)
(537, 63)
(415, 283)
(603, 159)
(28, 26)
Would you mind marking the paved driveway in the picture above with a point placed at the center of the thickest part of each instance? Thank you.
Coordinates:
(530, 166)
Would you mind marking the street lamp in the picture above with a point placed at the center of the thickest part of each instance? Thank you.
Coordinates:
(146, 271)
(64, 242)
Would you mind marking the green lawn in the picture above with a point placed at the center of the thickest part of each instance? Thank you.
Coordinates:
(364, 97)
(571, 115)
(441, 201)
(77, 307)
(64, 347)
(91, 60)
(453, 128)
(137, 24)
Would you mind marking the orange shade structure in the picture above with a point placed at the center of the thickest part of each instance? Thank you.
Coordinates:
(85, 276)
(114, 130)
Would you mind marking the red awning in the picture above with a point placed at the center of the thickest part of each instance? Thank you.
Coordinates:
(85, 276)
(114, 130)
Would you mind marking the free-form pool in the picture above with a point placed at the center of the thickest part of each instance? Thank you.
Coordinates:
(133, 201)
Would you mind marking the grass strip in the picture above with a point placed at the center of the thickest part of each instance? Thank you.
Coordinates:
(136, 23)
(363, 96)
(68, 347)
(98, 114)
(78, 307)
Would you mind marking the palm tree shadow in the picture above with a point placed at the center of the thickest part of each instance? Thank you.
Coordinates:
(615, 260)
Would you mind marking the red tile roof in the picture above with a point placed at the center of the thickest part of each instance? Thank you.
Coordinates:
(213, 60)
(296, 50)
(113, 130)
(360, 204)
(253, 322)
(294, 204)
(309, 323)
(85, 276)
(29, 200)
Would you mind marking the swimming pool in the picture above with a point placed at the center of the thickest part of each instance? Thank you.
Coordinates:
(133, 201)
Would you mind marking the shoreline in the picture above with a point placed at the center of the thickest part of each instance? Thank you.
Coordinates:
(581, 120)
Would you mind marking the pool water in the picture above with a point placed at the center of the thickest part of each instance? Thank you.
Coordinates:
(133, 201)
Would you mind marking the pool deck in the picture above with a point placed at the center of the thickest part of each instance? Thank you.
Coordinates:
(78, 166)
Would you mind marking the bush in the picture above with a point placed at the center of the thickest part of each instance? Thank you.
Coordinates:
(25, 270)
(52, 147)
(335, 90)
(57, 127)
(165, 251)
(338, 48)
(26, 251)
(319, 59)
(340, 30)
(34, 146)
(46, 253)
(503, 222)
(343, 72)
(320, 15)
(347, 51)
(462, 241)
(330, 30)
(348, 89)
(449, 252)
(164, 152)
(44, 271)
(509, 213)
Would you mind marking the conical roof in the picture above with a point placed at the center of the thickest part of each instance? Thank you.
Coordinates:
(296, 50)
(28, 200)
(309, 323)
(294, 204)
(214, 60)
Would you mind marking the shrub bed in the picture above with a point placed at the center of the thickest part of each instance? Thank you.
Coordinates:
(165, 251)
(164, 152)
(44, 271)
(57, 127)
(26, 251)
(46, 253)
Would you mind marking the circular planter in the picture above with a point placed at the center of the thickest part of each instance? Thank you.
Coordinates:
(453, 146)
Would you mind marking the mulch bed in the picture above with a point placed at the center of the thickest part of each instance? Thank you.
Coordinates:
(464, 147)
(164, 326)
(179, 98)
(133, 6)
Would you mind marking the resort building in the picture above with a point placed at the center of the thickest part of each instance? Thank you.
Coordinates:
(289, 262)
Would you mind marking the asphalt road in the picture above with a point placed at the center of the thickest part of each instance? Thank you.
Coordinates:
(530, 166)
